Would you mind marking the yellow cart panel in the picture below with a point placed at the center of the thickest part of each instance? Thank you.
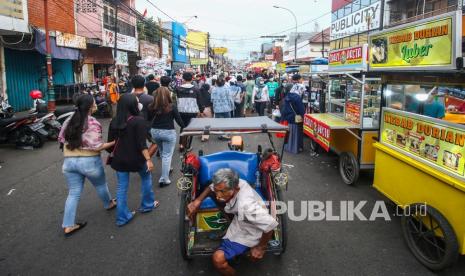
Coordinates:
(405, 181)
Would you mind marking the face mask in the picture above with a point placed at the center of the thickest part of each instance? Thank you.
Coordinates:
(262, 82)
(271, 79)
(140, 106)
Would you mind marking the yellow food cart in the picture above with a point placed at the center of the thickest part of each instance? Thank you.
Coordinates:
(352, 122)
(420, 156)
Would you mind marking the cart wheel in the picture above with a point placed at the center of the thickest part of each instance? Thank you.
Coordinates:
(348, 168)
(282, 219)
(184, 225)
(430, 237)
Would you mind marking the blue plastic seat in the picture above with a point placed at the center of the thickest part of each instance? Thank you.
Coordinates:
(245, 164)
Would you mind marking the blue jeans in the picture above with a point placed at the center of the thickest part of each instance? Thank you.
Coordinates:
(76, 170)
(223, 115)
(123, 214)
(166, 142)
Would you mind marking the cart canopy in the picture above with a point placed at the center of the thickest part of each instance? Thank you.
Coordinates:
(244, 125)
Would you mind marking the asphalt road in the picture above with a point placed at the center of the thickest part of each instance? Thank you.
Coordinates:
(33, 192)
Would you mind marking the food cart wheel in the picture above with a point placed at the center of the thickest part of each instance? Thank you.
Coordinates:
(184, 225)
(429, 236)
(348, 168)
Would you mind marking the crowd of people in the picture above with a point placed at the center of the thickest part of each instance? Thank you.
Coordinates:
(144, 124)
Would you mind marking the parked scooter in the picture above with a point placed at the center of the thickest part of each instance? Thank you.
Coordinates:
(52, 121)
(104, 107)
(23, 130)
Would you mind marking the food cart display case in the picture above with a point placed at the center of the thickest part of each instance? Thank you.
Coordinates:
(351, 122)
(420, 156)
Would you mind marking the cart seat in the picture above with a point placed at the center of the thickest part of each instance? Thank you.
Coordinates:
(245, 164)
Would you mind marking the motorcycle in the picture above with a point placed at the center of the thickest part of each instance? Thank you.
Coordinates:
(52, 121)
(23, 130)
(104, 107)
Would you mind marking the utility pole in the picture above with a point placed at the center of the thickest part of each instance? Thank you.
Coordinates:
(208, 52)
(50, 88)
(322, 43)
(160, 43)
(115, 29)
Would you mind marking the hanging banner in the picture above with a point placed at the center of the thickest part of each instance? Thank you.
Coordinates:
(429, 45)
(367, 18)
(318, 131)
(349, 59)
(432, 141)
(198, 61)
(70, 40)
(147, 49)
(125, 42)
(220, 50)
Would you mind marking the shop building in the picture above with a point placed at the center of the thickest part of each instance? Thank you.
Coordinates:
(24, 50)
(97, 22)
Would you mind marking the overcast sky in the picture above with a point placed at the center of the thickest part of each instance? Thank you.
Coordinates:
(237, 24)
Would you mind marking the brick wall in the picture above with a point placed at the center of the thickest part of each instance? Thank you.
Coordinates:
(61, 14)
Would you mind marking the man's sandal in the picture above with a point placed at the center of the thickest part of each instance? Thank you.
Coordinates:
(77, 227)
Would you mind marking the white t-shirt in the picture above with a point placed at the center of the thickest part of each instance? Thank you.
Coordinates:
(251, 217)
(265, 97)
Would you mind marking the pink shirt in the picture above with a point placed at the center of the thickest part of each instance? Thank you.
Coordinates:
(91, 137)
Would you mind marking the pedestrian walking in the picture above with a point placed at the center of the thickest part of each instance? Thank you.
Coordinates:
(240, 111)
(164, 113)
(249, 86)
(260, 96)
(81, 136)
(130, 154)
(293, 112)
(152, 84)
(238, 96)
(272, 85)
(138, 83)
(113, 90)
(188, 102)
(222, 100)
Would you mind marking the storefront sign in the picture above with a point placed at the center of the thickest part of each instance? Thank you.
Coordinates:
(368, 18)
(318, 131)
(147, 49)
(430, 140)
(198, 61)
(122, 58)
(354, 58)
(127, 43)
(70, 40)
(220, 50)
(353, 112)
(179, 42)
(427, 46)
(281, 68)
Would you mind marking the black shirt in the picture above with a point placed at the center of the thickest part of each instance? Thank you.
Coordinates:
(166, 120)
(151, 87)
(145, 100)
(127, 155)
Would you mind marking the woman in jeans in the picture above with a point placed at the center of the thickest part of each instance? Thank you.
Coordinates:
(130, 154)
(81, 136)
(163, 132)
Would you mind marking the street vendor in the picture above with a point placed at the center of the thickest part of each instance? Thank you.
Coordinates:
(252, 226)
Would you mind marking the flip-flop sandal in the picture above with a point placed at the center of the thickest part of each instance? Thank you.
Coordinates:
(113, 201)
(156, 203)
(80, 226)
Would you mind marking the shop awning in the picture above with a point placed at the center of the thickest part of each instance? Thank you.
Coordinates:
(57, 51)
(101, 55)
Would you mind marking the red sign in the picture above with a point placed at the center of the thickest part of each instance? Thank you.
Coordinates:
(318, 131)
(353, 112)
(337, 4)
(349, 55)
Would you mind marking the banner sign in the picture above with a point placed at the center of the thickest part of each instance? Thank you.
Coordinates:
(318, 131)
(220, 50)
(353, 112)
(424, 46)
(147, 49)
(125, 42)
(198, 61)
(70, 40)
(432, 141)
(354, 58)
(122, 58)
(365, 19)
